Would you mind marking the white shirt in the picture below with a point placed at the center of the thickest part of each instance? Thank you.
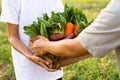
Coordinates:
(103, 35)
(24, 12)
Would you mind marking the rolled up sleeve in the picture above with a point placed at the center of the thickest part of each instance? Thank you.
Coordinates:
(103, 35)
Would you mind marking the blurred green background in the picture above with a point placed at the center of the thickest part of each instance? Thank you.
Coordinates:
(89, 69)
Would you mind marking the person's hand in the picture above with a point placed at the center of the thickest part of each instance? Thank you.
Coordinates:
(38, 46)
(41, 62)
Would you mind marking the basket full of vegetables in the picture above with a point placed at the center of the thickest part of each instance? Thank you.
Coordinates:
(61, 25)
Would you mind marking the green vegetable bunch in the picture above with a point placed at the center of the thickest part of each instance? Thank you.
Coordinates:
(46, 26)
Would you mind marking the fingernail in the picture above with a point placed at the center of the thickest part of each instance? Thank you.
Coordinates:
(47, 63)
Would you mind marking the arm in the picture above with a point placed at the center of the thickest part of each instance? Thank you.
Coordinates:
(63, 48)
(67, 61)
(13, 38)
(67, 48)
(43, 45)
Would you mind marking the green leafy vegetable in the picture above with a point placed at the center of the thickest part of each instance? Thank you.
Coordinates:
(32, 30)
(47, 26)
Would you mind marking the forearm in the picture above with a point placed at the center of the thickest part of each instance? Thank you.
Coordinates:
(13, 38)
(67, 48)
(67, 61)
(19, 46)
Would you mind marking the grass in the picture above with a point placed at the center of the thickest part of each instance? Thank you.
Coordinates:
(93, 69)
(7, 70)
(89, 69)
(5, 47)
(90, 7)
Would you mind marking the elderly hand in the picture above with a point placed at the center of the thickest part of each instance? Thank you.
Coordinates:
(38, 46)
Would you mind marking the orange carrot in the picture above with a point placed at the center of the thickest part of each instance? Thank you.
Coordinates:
(69, 29)
(76, 28)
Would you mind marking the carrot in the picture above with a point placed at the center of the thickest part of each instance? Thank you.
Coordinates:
(76, 28)
(69, 29)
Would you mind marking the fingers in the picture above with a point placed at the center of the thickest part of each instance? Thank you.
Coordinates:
(42, 38)
(39, 45)
(38, 50)
(38, 59)
(37, 37)
(46, 67)
(43, 63)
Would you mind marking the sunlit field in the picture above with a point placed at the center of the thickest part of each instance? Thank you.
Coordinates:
(89, 69)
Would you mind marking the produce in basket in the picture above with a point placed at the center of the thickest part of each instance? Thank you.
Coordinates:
(61, 25)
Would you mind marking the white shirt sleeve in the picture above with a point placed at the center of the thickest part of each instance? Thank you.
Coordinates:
(10, 11)
(103, 35)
